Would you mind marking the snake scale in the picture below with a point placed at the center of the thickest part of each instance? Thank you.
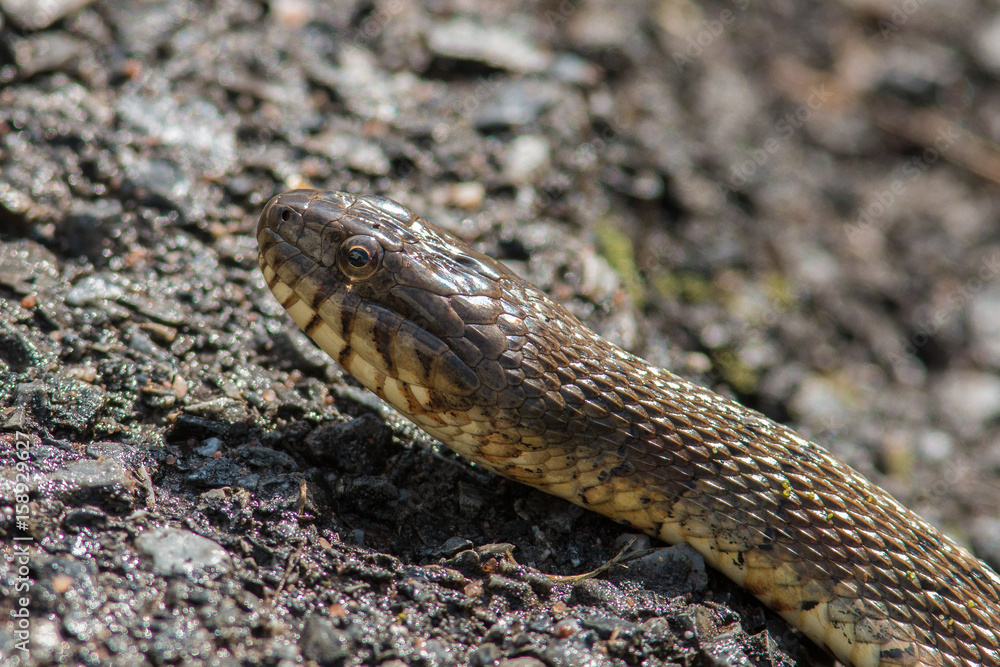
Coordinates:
(508, 378)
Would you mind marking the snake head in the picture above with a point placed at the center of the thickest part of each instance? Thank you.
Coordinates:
(414, 313)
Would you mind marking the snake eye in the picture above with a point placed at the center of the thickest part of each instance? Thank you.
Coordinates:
(359, 256)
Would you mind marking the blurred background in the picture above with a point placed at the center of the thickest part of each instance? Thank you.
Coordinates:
(793, 203)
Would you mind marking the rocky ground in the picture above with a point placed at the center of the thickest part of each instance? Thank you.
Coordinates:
(793, 203)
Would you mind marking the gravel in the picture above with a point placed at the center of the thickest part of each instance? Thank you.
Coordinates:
(794, 205)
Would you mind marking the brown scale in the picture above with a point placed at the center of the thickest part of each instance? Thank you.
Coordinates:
(547, 402)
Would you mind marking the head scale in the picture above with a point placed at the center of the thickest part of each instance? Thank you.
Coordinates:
(410, 310)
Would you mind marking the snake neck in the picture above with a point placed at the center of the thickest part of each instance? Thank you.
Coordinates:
(508, 378)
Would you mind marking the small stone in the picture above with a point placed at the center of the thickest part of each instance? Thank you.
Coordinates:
(566, 628)
(209, 446)
(38, 14)
(473, 589)
(220, 472)
(918, 72)
(94, 289)
(725, 649)
(969, 399)
(486, 654)
(80, 625)
(86, 516)
(223, 409)
(608, 626)
(80, 478)
(936, 446)
(524, 661)
(178, 551)
(497, 46)
(527, 156)
(466, 195)
(452, 546)
(293, 14)
(26, 266)
(984, 323)
(593, 593)
(75, 404)
(513, 103)
(518, 592)
(61, 583)
(987, 45)
(360, 154)
(598, 25)
(571, 68)
(323, 642)
(495, 550)
(193, 125)
(192, 426)
(48, 52)
(227, 615)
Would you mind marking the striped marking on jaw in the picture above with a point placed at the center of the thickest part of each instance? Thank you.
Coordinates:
(408, 399)
(411, 400)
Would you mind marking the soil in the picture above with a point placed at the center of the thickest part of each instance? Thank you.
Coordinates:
(795, 204)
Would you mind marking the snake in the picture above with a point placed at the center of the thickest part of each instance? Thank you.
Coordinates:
(508, 378)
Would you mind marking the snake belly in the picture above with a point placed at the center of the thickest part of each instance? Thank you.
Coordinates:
(508, 378)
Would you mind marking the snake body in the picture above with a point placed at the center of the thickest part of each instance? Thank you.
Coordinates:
(508, 378)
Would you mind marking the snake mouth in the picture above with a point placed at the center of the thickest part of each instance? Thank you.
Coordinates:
(401, 333)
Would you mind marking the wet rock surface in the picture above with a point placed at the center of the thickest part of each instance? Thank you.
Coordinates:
(796, 206)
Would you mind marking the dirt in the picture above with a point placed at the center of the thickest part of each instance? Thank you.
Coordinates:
(792, 203)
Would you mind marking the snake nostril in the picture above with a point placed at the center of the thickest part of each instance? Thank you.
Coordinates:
(286, 214)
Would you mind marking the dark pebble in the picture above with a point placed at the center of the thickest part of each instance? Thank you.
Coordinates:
(452, 546)
(90, 480)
